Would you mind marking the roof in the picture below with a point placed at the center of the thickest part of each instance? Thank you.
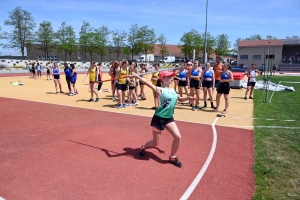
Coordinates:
(293, 41)
(174, 50)
(256, 43)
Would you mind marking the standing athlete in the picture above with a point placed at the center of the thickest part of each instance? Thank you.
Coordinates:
(251, 73)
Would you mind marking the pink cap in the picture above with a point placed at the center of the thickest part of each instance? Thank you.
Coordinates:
(165, 73)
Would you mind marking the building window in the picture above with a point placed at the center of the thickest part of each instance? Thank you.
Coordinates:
(270, 56)
(257, 57)
(243, 56)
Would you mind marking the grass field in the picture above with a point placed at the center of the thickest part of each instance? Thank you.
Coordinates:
(277, 150)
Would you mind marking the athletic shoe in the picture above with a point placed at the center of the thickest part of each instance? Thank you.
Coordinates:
(120, 106)
(193, 108)
(224, 111)
(71, 94)
(113, 99)
(199, 107)
(61, 92)
(129, 104)
(143, 98)
(214, 107)
(99, 91)
(124, 105)
(97, 99)
(250, 97)
(136, 104)
(175, 162)
(142, 152)
(245, 98)
(91, 99)
(56, 93)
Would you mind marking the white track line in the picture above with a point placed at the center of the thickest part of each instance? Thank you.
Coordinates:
(199, 176)
(1, 198)
(283, 127)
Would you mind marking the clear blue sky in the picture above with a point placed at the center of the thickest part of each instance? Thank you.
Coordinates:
(236, 18)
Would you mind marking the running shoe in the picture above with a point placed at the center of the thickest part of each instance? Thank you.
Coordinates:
(224, 111)
(250, 97)
(91, 99)
(120, 106)
(143, 98)
(176, 162)
(56, 93)
(193, 108)
(71, 94)
(136, 104)
(142, 152)
(199, 107)
(113, 99)
(97, 99)
(245, 98)
(124, 105)
(214, 107)
(61, 92)
(129, 104)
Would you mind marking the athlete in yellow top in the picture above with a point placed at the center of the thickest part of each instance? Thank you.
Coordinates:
(93, 76)
(121, 85)
(132, 98)
(155, 81)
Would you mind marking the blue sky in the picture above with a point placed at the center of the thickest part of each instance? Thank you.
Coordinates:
(236, 18)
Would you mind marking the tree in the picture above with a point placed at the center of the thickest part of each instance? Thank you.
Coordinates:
(293, 37)
(222, 45)
(190, 41)
(103, 32)
(83, 39)
(133, 40)
(66, 40)
(22, 33)
(236, 45)
(254, 37)
(1, 36)
(45, 37)
(118, 40)
(211, 43)
(162, 44)
(270, 37)
(146, 40)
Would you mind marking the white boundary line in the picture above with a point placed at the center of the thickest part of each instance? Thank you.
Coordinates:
(199, 176)
(1, 198)
(283, 127)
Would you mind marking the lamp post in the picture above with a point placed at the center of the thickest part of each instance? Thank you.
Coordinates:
(205, 38)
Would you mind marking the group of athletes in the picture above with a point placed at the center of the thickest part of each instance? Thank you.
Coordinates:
(127, 76)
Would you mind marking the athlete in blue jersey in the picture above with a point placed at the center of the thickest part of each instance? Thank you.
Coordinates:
(195, 76)
(56, 78)
(182, 83)
(73, 80)
(224, 88)
(68, 73)
(208, 83)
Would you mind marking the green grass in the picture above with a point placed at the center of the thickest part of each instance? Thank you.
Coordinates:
(277, 150)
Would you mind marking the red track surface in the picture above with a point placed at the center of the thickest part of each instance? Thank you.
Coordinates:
(58, 152)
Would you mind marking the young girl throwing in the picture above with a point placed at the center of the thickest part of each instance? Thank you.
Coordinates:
(163, 117)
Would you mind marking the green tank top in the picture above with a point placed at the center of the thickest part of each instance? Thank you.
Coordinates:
(168, 99)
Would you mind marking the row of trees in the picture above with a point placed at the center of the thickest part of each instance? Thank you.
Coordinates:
(101, 40)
